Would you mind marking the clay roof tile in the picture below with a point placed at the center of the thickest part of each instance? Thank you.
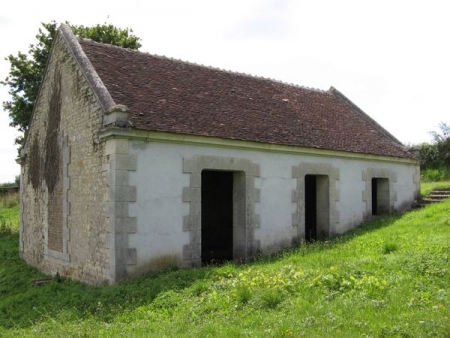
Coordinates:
(170, 95)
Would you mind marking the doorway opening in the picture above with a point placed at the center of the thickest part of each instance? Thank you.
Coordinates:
(222, 216)
(380, 196)
(317, 207)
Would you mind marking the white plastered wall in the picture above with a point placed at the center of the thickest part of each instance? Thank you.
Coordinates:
(159, 208)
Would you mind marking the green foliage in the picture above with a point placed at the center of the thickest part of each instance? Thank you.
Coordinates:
(388, 278)
(435, 175)
(428, 156)
(442, 140)
(108, 34)
(244, 294)
(27, 70)
(9, 213)
(271, 298)
(435, 158)
(9, 200)
(389, 246)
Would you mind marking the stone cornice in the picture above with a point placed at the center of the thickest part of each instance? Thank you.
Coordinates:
(165, 137)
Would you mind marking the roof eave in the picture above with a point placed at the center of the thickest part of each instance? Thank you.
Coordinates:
(197, 140)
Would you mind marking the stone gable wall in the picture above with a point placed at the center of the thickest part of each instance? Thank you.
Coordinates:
(63, 217)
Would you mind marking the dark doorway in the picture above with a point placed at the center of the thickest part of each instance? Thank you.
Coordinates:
(217, 216)
(317, 207)
(374, 197)
(380, 196)
(310, 208)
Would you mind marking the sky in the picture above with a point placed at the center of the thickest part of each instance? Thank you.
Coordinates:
(390, 57)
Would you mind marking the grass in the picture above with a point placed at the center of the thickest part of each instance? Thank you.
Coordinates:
(427, 187)
(435, 175)
(388, 278)
(9, 212)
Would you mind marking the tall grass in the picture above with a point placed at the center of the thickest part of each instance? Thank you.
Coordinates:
(435, 175)
(9, 200)
(9, 212)
(388, 278)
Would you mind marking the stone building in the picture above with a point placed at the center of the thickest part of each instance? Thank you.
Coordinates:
(135, 162)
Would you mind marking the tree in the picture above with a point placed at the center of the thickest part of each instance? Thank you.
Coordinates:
(437, 154)
(428, 156)
(442, 142)
(27, 70)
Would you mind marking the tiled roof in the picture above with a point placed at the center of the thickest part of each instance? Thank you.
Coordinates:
(180, 97)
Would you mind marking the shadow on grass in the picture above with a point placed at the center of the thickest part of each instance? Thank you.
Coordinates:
(22, 304)
(305, 248)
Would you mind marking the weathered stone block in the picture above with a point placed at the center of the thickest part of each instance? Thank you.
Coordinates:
(125, 162)
(123, 193)
(131, 256)
(191, 194)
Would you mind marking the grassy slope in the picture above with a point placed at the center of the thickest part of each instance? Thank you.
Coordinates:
(427, 187)
(389, 277)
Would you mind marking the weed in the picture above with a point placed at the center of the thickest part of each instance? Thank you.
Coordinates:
(244, 294)
(5, 227)
(270, 298)
(389, 247)
(435, 175)
(227, 270)
(199, 287)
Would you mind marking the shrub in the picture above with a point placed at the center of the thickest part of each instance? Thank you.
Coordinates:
(435, 175)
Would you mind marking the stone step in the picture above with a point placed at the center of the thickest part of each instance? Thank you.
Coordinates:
(444, 193)
(435, 196)
(434, 200)
(428, 200)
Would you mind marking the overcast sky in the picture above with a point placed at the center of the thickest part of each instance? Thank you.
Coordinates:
(391, 58)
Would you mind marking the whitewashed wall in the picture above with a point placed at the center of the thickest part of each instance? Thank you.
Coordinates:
(159, 181)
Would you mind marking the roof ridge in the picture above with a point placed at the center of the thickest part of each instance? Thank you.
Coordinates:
(163, 57)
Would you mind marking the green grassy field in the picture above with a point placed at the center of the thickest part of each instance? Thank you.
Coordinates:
(427, 187)
(388, 278)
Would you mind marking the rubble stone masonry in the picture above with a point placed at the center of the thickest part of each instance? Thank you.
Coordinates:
(63, 222)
